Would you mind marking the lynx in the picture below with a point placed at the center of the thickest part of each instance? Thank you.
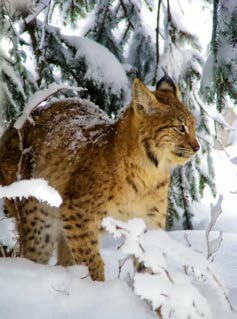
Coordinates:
(100, 167)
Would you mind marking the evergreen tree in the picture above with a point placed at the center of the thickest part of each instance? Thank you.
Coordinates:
(220, 71)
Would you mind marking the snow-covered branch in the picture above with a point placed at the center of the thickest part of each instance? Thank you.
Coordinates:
(37, 188)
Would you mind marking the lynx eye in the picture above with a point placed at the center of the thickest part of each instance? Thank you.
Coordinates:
(181, 129)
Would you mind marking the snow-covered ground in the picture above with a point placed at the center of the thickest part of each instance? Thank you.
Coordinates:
(35, 291)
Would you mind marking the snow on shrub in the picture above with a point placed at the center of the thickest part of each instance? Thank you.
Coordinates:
(172, 271)
(37, 188)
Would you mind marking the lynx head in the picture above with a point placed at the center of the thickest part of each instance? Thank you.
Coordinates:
(166, 128)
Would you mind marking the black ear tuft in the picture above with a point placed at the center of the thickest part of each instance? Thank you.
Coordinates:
(166, 84)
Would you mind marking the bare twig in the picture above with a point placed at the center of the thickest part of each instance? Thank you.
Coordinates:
(222, 289)
(142, 249)
(86, 276)
(168, 275)
(126, 13)
(222, 146)
(121, 264)
(64, 292)
(147, 4)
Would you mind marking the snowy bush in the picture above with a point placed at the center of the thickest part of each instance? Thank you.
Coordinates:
(172, 272)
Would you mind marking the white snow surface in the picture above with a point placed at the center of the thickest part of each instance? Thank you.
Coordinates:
(34, 291)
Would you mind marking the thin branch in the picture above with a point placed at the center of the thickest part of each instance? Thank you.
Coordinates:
(147, 4)
(157, 42)
(222, 146)
(38, 10)
(181, 9)
(222, 289)
(103, 21)
(64, 292)
(126, 13)
(121, 265)
(207, 113)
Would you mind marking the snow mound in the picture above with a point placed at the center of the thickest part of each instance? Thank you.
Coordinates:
(35, 291)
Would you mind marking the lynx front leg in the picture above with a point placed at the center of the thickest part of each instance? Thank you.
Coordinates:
(64, 253)
(38, 231)
(82, 238)
(156, 214)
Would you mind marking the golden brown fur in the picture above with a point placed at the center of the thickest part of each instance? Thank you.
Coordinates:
(100, 168)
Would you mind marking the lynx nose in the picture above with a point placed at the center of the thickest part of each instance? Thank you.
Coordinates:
(196, 148)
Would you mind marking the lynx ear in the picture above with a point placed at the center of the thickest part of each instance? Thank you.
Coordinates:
(143, 98)
(166, 84)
